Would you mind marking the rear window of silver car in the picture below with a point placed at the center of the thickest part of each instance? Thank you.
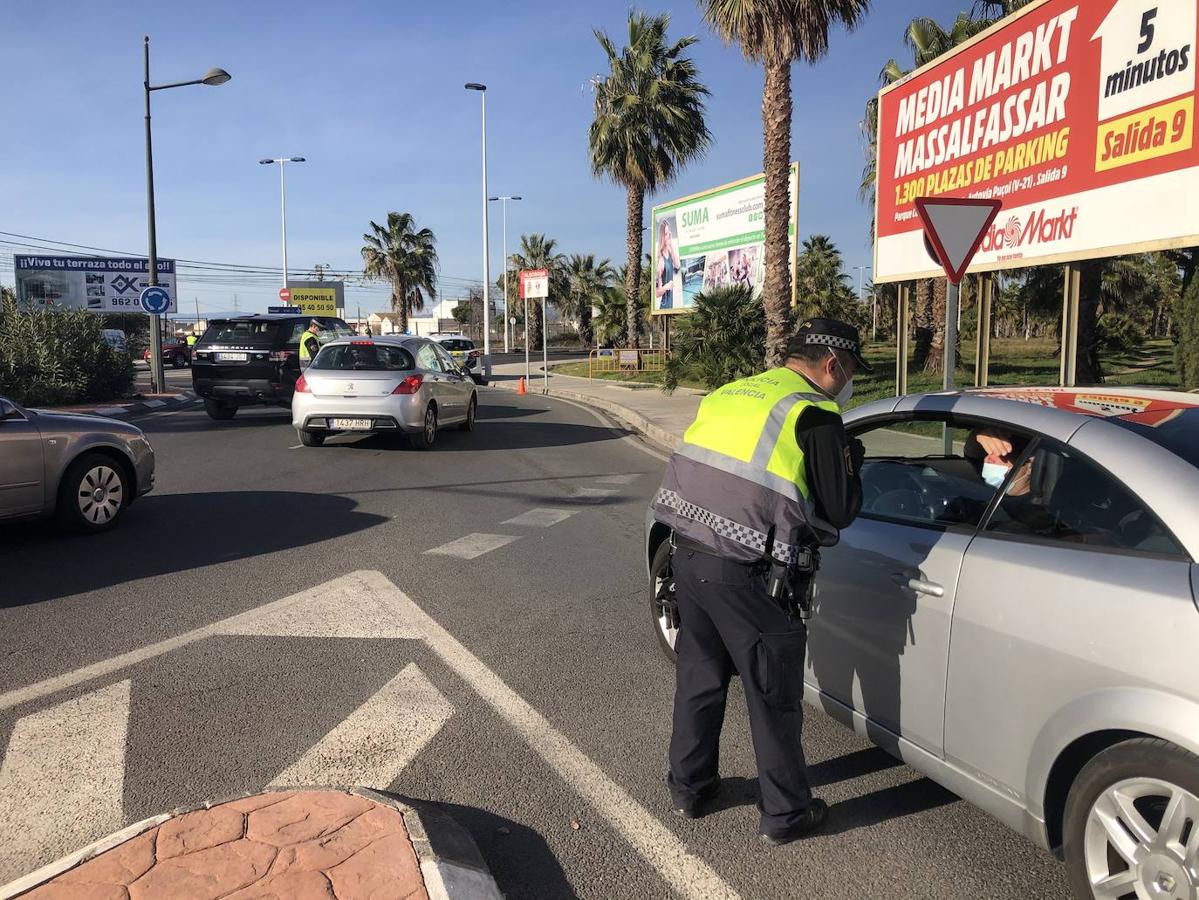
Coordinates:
(1178, 432)
(364, 357)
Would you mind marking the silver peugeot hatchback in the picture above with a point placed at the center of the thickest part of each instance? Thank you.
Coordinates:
(388, 385)
(1024, 628)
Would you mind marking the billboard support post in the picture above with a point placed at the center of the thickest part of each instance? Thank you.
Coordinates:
(1071, 283)
(545, 344)
(982, 342)
(901, 339)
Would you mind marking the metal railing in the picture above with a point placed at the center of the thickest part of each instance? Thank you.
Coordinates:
(626, 361)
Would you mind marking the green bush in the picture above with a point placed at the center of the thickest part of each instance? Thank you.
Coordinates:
(1187, 352)
(56, 357)
(720, 341)
(1119, 333)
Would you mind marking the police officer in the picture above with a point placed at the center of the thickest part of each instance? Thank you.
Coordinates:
(764, 476)
(310, 343)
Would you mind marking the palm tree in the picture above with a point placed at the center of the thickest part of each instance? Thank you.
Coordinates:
(649, 122)
(405, 257)
(539, 252)
(776, 33)
(991, 11)
(587, 279)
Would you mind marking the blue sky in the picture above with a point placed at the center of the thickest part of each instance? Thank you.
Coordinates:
(371, 93)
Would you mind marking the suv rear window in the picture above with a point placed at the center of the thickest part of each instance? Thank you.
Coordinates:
(1176, 430)
(364, 357)
(248, 333)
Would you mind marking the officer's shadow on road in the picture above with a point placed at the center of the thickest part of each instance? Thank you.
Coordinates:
(169, 534)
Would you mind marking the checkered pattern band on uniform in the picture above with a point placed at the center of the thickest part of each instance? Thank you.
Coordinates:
(787, 554)
(831, 340)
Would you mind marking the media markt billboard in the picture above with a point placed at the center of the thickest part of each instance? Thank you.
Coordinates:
(318, 298)
(1078, 114)
(712, 239)
(102, 284)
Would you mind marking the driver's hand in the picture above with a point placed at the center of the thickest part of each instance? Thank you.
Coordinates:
(857, 453)
(996, 446)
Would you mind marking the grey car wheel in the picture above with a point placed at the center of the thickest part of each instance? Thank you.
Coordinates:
(423, 439)
(1132, 824)
(472, 411)
(93, 492)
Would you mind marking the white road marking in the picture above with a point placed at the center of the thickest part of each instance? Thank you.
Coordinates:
(542, 517)
(617, 479)
(473, 545)
(685, 872)
(296, 447)
(374, 743)
(589, 493)
(155, 404)
(349, 587)
(62, 781)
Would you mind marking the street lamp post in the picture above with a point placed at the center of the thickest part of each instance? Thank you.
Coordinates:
(282, 161)
(212, 78)
(504, 204)
(482, 89)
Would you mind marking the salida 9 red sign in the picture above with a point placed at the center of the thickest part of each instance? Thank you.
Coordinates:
(1079, 115)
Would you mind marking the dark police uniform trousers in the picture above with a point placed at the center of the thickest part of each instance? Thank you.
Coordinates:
(729, 623)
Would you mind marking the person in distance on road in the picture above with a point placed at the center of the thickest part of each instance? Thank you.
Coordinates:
(310, 343)
(764, 477)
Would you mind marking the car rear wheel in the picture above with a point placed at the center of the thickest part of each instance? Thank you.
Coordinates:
(1131, 826)
(664, 609)
(93, 492)
(424, 439)
(219, 411)
(311, 438)
(178, 361)
(471, 411)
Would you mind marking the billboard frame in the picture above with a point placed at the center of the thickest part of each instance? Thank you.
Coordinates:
(793, 172)
(1068, 257)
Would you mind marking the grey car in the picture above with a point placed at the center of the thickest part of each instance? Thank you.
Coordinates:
(85, 469)
(1033, 647)
(388, 385)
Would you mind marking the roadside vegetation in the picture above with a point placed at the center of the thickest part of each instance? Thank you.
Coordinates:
(58, 357)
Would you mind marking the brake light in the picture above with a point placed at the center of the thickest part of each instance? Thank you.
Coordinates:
(363, 343)
(302, 386)
(410, 385)
(474, 354)
(282, 355)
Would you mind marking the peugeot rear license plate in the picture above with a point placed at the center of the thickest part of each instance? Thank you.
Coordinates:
(350, 424)
(231, 357)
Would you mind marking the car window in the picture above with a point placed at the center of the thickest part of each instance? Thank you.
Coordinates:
(455, 344)
(1056, 494)
(426, 358)
(241, 332)
(363, 356)
(909, 476)
(447, 361)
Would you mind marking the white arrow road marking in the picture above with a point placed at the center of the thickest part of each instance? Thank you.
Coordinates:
(687, 873)
(359, 613)
(473, 545)
(374, 743)
(540, 518)
(62, 781)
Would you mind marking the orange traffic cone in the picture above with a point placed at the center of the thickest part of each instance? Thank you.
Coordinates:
(520, 388)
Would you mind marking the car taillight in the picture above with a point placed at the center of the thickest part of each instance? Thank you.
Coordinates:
(410, 385)
(363, 343)
(302, 386)
(474, 354)
(282, 355)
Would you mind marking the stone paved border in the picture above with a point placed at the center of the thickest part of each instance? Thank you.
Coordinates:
(161, 403)
(331, 843)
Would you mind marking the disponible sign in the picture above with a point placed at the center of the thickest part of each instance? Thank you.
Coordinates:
(316, 298)
(713, 239)
(95, 283)
(1078, 116)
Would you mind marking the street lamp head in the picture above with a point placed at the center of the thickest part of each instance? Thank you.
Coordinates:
(214, 77)
(266, 162)
(475, 86)
(296, 159)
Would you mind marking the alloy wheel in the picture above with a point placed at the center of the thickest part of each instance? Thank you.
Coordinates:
(430, 425)
(100, 495)
(1142, 842)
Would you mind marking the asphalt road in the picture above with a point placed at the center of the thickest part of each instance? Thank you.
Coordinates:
(544, 701)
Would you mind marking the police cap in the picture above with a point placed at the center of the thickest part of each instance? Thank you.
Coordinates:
(830, 333)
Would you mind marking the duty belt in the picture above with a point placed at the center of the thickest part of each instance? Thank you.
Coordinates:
(751, 538)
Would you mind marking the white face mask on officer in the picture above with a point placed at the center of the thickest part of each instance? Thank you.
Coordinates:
(842, 397)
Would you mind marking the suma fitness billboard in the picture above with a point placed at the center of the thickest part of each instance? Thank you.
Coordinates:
(1079, 115)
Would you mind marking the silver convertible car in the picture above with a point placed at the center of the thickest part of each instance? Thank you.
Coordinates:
(389, 385)
(1033, 647)
(86, 469)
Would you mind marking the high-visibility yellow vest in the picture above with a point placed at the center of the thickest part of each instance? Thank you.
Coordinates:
(737, 484)
(306, 349)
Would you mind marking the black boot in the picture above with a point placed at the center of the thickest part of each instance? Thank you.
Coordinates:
(813, 818)
(693, 809)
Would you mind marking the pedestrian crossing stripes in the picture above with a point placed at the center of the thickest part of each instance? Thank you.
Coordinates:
(473, 545)
(540, 518)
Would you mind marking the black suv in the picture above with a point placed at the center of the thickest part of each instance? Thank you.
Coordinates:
(253, 360)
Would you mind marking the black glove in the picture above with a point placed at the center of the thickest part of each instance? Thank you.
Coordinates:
(857, 453)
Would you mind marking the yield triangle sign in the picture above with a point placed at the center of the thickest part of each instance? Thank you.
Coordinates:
(955, 227)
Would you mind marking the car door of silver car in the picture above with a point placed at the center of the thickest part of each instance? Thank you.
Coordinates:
(1071, 604)
(448, 409)
(879, 640)
(461, 383)
(22, 463)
